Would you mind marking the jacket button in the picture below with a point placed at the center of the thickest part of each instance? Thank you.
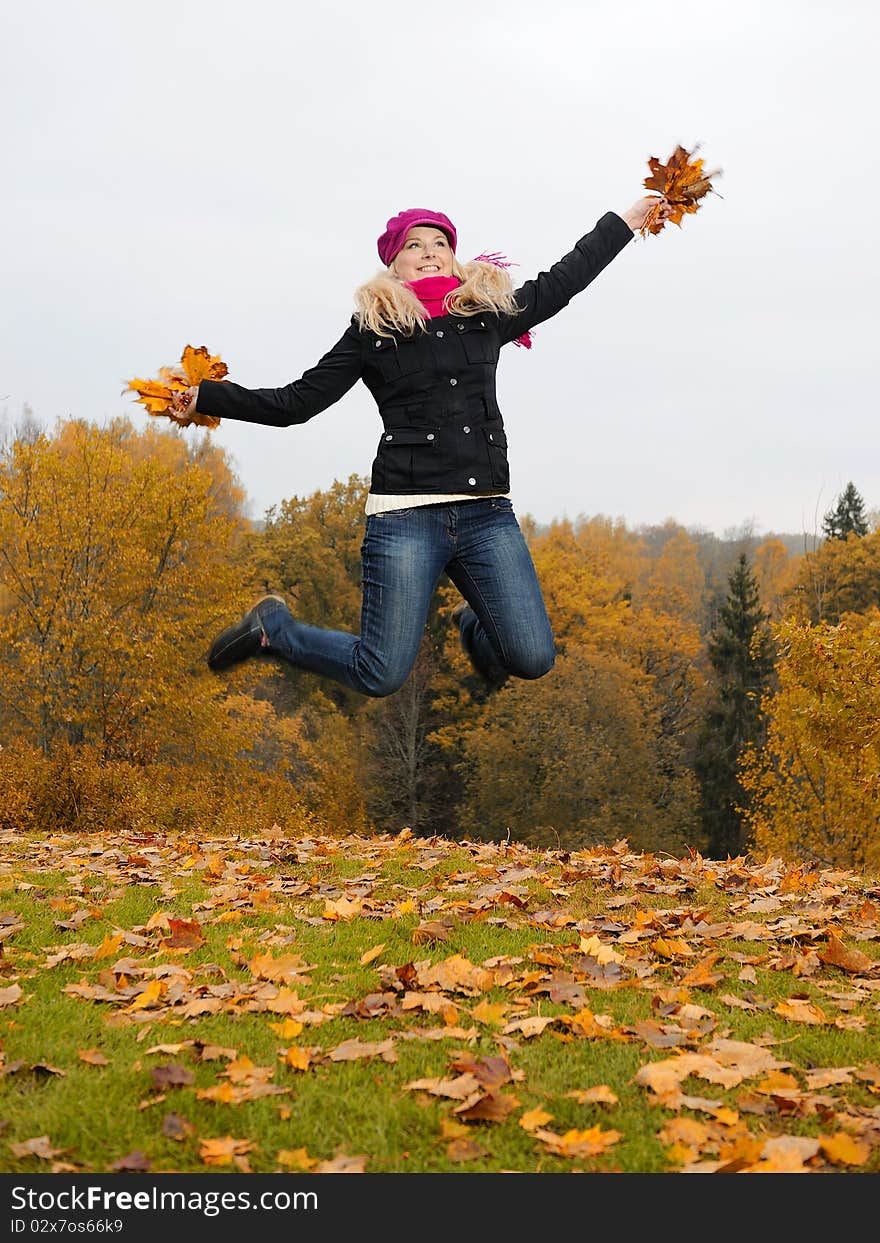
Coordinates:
(378, 345)
(440, 333)
(465, 430)
(472, 481)
(430, 435)
(491, 437)
(461, 327)
(453, 382)
(389, 437)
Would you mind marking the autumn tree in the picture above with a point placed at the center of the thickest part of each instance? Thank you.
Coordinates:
(569, 761)
(776, 573)
(847, 517)
(310, 551)
(674, 582)
(814, 786)
(741, 656)
(117, 550)
(112, 561)
(840, 576)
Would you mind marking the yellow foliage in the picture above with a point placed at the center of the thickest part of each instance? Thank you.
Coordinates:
(815, 786)
(839, 577)
(117, 565)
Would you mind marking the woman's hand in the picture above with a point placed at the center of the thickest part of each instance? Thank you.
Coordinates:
(184, 403)
(637, 214)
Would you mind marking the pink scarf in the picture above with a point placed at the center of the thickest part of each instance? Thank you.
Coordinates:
(431, 291)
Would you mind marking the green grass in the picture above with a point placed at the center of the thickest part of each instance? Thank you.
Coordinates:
(269, 897)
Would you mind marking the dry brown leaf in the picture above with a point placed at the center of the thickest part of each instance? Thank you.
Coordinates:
(288, 1029)
(842, 1149)
(457, 1089)
(243, 1070)
(221, 1093)
(216, 1052)
(602, 953)
(457, 974)
(92, 1057)
(372, 954)
(298, 1058)
(599, 1095)
(296, 1159)
(825, 1077)
(672, 947)
(352, 1050)
(786, 1154)
(342, 1164)
(850, 960)
(487, 1107)
(276, 970)
(535, 1118)
(490, 1013)
(589, 1143)
(148, 997)
(40, 1146)
(531, 1026)
(109, 947)
(430, 931)
(175, 1126)
(701, 974)
(171, 1076)
(223, 1151)
(136, 1162)
(185, 934)
(799, 1010)
(10, 996)
(465, 1150)
(681, 182)
(342, 908)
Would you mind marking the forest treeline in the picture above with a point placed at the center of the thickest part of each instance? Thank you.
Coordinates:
(711, 695)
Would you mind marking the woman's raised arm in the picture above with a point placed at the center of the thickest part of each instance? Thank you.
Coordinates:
(550, 291)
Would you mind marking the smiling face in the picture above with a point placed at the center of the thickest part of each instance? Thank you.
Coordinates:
(426, 252)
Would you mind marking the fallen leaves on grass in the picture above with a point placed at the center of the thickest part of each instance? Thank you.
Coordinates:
(667, 934)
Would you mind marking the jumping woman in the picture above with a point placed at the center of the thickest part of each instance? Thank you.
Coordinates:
(425, 339)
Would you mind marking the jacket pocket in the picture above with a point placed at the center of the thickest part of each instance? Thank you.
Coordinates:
(496, 445)
(477, 340)
(394, 359)
(402, 451)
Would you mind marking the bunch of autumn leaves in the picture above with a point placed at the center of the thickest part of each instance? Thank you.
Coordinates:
(681, 184)
(196, 364)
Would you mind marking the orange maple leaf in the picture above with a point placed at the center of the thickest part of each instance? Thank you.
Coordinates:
(681, 183)
(196, 364)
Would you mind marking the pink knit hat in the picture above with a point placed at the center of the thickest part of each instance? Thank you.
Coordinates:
(391, 241)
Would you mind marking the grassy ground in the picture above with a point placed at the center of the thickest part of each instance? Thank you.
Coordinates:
(268, 1005)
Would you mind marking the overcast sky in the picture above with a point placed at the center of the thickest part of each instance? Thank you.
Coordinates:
(218, 173)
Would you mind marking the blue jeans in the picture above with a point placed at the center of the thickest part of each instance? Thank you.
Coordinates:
(480, 546)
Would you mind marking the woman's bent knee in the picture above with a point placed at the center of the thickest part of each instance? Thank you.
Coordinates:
(535, 665)
(382, 685)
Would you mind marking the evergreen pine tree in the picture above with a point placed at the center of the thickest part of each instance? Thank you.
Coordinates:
(741, 653)
(847, 516)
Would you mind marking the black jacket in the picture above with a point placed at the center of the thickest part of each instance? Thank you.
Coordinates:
(435, 390)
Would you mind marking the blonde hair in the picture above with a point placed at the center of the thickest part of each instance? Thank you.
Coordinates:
(384, 305)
